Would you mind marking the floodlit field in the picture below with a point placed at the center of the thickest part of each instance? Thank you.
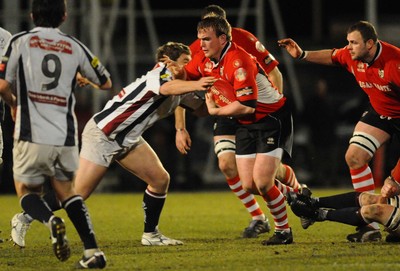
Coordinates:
(210, 224)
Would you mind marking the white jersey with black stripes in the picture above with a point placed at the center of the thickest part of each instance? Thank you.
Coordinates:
(43, 63)
(137, 107)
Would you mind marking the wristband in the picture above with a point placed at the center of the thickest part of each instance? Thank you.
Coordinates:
(180, 129)
(303, 55)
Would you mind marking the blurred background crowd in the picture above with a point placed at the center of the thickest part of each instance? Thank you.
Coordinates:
(326, 101)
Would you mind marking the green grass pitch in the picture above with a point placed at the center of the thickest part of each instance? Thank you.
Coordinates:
(209, 224)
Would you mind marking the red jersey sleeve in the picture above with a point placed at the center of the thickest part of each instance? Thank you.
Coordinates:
(195, 47)
(340, 57)
(253, 46)
(193, 68)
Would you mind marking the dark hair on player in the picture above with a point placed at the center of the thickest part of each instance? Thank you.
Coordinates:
(173, 50)
(219, 24)
(213, 10)
(366, 29)
(48, 13)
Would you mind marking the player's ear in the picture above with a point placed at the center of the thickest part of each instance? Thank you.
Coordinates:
(370, 44)
(223, 38)
(65, 16)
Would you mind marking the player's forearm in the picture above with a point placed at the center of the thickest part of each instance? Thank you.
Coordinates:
(180, 120)
(235, 109)
(323, 57)
(107, 85)
(177, 87)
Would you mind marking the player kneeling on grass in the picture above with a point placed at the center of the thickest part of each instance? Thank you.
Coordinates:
(355, 208)
(115, 134)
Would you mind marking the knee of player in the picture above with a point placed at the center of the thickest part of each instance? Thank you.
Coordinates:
(367, 198)
(160, 182)
(373, 212)
(227, 167)
(355, 160)
(362, 147)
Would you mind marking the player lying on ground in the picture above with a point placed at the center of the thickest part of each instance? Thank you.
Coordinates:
(355, 208)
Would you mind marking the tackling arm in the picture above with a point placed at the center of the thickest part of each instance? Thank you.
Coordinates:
(318, 57)
(177, 87)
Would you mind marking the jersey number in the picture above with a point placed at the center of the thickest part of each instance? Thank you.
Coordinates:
(51, 67)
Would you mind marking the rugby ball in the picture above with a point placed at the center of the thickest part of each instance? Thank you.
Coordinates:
(222, 92)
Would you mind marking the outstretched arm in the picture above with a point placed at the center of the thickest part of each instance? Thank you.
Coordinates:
(318, 57)
(177, 87)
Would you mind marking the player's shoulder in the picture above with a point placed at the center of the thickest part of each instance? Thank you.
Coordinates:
(4, 33)
(241, 32)
(390, 49)
(237, 51)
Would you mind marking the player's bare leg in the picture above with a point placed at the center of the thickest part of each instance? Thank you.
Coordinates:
(225, 151)
(151, 171)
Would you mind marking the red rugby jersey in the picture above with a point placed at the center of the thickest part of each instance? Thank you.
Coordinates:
(242, 71)
(380, 80)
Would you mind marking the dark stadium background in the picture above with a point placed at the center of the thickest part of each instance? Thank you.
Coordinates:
(314, 24)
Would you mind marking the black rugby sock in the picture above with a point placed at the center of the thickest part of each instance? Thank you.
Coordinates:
(79, 215)
(152, 205)
(339, 201)
(35, 207)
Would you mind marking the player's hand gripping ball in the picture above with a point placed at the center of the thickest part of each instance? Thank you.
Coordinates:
(222, 92)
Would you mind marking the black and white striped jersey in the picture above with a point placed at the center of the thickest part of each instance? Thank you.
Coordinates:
(42, 65)
(137, 107)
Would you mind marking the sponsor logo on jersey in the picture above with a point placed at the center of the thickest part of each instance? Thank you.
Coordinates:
(260, 47)
(381, 73)
(360, 67)
(47, 98)
(365, 85)
(268, 60)
(2, 43)
(240, 74)
(221, 71)
(95, 62)
(237, 63)
(208, 67)
(244, 92)
(121, 93)
(60, 46)
(270, 141)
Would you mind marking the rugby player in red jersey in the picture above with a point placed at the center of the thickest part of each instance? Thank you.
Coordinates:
(265, 132)
(375, 65)
(225, 129)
